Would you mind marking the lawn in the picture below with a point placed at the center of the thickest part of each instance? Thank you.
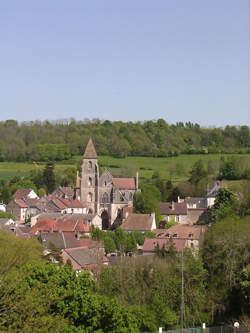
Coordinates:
(11, 169)
(175, 168)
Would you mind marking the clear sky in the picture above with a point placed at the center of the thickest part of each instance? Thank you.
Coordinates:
(179, 60)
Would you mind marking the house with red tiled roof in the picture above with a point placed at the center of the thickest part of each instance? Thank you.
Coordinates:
(104, 194)
(18, 208)
(192, 234)
(25, 193)
(64, 223)
(139, 222)
(150, 244)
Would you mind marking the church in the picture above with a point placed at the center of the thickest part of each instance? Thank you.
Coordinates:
(104, 195)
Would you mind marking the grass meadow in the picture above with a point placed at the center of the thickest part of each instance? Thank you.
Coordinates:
(175, 168)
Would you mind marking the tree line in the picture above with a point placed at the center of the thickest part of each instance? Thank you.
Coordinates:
(43, 141)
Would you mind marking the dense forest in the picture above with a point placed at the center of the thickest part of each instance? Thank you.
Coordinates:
(43, 141)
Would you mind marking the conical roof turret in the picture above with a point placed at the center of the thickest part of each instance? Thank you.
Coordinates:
(90, 151)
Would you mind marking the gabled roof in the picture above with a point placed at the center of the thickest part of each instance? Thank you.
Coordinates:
(138, 222)
(61, 224)
(82, 257)
(150, 244)
(90, 151)
(72, 203)
(182, 231)
(22, 193)
(124, 183)
(62, 240)
(20, 203)
(173, 208)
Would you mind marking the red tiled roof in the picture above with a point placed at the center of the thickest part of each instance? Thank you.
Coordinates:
(45, 225)
(139, 222)
(182, 231)
(22, 193)
(124, 183)
(173, 208)
(150, 244)
(58, 203)
(72, 203)
(60, 225)
(20, 203)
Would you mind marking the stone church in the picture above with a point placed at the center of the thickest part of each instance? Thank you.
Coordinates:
(104, 195)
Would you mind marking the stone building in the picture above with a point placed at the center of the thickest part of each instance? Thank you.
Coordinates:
(103, 195)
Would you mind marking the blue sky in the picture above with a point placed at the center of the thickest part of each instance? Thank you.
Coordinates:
(125, 60)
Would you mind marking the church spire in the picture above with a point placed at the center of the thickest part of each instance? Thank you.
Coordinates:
(90, 151)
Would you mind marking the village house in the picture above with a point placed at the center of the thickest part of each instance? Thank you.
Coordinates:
(64, 192)
(181, 236)
(80, 226)
(23, 204)
(84, 258)
(89, 219)
(63, 240)
(174, 211)
(150, 245)
(25, 193)
(139, 222)
(18, 208)
(192, 234)
(64, 206)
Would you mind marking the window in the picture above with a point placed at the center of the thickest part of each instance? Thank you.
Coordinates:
(89, 182)
(90, 197)
(174, 235)
(89, 165)
(190, 235)
(105, 197)
(177, 218)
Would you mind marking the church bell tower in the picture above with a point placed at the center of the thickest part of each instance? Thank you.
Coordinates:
(90, 179)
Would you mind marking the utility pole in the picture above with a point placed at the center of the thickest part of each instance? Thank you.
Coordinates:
(182, 292)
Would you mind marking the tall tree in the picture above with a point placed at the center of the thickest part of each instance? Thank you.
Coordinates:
(49, 178)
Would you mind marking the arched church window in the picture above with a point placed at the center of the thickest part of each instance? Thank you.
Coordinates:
(90, 197)
(89, 182)
(89, 165)
(105, 197)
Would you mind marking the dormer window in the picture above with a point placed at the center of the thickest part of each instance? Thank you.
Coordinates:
(191, 235)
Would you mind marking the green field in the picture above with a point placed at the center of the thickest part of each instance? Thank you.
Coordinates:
(175, 168)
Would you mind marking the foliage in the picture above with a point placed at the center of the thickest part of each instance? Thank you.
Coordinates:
(46, 141)
(225, 254)
(7, 215)
(49, 177)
